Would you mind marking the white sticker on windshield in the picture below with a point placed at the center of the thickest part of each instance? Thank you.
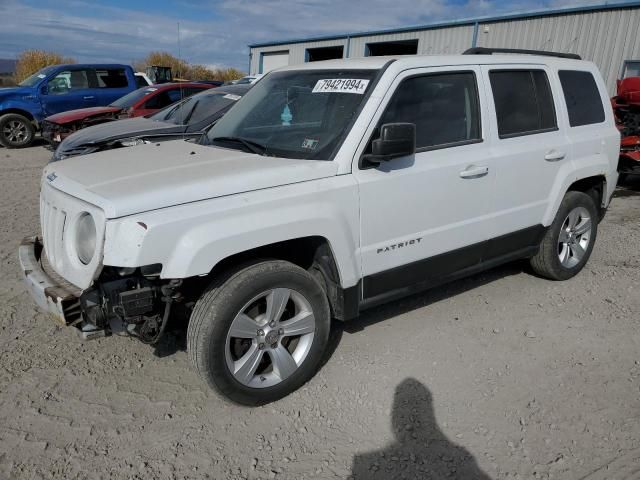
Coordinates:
(41, 75)
(233, 97)
(310, 143)
(341, 85)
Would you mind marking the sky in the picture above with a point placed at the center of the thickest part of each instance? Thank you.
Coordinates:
(216, 32)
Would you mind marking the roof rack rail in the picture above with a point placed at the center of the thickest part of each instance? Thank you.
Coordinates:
(489, 51)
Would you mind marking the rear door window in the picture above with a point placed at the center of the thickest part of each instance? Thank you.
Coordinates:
(111, 78)
(523, 102)
(584, 103)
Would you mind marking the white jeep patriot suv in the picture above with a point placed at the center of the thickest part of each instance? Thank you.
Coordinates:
(331, 187)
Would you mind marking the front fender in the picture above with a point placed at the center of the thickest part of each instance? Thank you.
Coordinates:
(189, 240)
(31, 106)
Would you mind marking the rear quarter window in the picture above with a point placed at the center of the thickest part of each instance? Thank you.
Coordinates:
(581, 94)
(523, 101)
(111, 78)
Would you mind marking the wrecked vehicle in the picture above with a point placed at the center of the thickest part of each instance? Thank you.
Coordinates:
(626, 107)
(329, 188)
(140, 102)
(185, 120)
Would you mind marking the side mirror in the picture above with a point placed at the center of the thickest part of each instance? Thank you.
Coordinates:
(44, 90)
(396, 140)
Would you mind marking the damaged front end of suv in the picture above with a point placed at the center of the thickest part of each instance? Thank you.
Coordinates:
(131, 301)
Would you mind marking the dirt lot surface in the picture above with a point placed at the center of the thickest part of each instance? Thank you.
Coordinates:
(503, 375)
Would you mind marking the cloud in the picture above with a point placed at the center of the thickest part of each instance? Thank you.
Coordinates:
(217, 32)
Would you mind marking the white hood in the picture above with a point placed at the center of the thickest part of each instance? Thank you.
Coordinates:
(147, 177)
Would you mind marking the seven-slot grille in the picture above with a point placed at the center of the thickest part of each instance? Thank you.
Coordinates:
(58, 212)
(53, 222)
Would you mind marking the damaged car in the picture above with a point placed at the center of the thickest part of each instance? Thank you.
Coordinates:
(140, 102)
(330, 188)
(187, 119)
(626, 106)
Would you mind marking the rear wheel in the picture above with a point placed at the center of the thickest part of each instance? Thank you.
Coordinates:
(261, 334)
(568, 243)
(16, 131)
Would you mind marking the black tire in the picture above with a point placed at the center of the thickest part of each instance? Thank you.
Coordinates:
(16, 131)
(223, 300)
(547, 262)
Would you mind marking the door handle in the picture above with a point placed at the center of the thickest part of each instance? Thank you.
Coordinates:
(474, 172)
(554, 156)
(90, 97)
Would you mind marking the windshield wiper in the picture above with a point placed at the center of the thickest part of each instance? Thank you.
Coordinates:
(253, 147)
(188, 117)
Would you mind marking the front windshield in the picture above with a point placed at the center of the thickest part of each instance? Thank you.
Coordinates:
(36, 77)
(296, 114)
(131, 98)
(197, 108)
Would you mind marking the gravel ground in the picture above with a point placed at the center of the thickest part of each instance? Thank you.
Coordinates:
(502, 375)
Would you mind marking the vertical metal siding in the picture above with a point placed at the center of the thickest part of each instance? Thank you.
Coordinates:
(296, 51)
(606, 37)
(430, 42)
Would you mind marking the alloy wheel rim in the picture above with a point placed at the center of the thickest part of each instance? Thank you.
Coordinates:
(15, 131)
(270, 338)
(574, 237)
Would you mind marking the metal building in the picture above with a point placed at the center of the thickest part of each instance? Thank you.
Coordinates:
(606, 34)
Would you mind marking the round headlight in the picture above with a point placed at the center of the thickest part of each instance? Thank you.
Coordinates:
(85, 238)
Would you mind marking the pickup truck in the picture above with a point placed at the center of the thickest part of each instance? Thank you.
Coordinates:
(56, 89)
(328, 189)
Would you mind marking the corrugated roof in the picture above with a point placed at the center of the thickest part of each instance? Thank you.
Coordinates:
(459, 22)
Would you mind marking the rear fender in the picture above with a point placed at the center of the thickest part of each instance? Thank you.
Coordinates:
(595, 166)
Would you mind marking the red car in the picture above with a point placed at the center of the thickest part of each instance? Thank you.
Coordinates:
(626, 107)
(143, 101)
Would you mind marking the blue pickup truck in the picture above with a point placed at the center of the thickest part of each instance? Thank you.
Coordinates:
(57, 89)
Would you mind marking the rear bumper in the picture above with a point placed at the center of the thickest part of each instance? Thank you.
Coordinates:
(53, 295)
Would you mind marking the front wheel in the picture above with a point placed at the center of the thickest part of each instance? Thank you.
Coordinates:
(568, 243)
(16, 131)
(260, 334)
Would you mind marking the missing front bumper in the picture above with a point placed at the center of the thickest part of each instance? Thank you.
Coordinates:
(54, 295)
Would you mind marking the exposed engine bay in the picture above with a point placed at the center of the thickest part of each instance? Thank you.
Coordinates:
(131, 301)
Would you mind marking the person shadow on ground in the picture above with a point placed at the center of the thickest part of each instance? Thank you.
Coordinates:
(421, 450)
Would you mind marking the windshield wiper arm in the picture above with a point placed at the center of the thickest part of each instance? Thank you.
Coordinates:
(253, 147)
(188, 117)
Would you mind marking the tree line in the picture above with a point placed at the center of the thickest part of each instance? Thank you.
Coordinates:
(30, 61)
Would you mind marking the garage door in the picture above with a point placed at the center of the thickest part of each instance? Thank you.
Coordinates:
(273, 60)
